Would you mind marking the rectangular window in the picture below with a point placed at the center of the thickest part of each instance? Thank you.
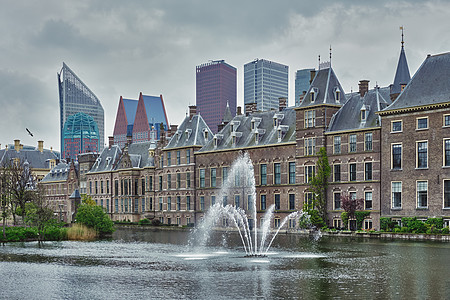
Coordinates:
(160, 203)
(396, 156)
(142, 186)
(96, 187)
(161, 162)
(225, 200)
(337, 201)
(263, 174)
(352, 143)
(337, 173)
(446, 193)
(396, 126)
(202, 203)
(292, 172)
(422, 154)
(150, 183)
(136, 186)
(368, 224)
(143, 205)
(188, 202)
(188, 180)
(188, 156)
(368, 141)
(447, 153)
(422, 194)
(169, 158)
(396, 189)
(213, 200)
(352, 171)
(249, 202)
(213, 177)
(446, 120)
(116, 205)
(237, 201)
(169, 203)
(310, 118)
(202, 178)
(136, 205)
(368, 200)
(309, 173)
(224, 174)
(178, 157)
(169, 181)
(353, 195)
(116, 187)
(277, 202)
(368, 171)
(178, 202)
(337, 145)
(309, 200)
(422, 123)
(178, 180)
(126, 205)
(263, 202)
(160, 183)
(291, 201)
(310, 145)
(107, 186)
(277, 170)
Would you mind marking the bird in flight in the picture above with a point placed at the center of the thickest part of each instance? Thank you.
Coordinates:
(29, 132)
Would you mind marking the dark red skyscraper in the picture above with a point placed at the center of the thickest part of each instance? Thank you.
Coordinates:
(215, 87)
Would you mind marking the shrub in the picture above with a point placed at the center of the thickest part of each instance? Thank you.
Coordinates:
(144, 222)
(53, 233)
(344, 217)
(437, 222)
(316, 219)
(417, 226)
(360, 216)
(80, 232)
(386, 224)
(156, 222)
(93, 216)
(445, 230)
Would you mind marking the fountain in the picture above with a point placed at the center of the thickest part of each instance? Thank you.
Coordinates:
(241, 182)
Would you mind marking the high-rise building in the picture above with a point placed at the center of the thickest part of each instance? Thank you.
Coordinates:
(215, 87)
(302, 82)
(265, 82)
(80, 135)
(76, 97)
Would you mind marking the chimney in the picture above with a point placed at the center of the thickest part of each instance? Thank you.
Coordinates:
(239, 110)
(248, 109)
(110, 141)
(17, 145)
(41, 146)
(192, 111)
(21, 146)
(313, 74)
(363, 87)
(173, 129)
(283, 103)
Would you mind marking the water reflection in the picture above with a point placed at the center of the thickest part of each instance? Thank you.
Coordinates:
(159, 264)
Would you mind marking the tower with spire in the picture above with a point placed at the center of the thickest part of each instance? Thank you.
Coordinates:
(402, 76)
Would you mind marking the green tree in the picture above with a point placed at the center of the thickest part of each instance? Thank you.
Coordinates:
(319, 183)
(94, 216)
(5, 179)
(22, 187)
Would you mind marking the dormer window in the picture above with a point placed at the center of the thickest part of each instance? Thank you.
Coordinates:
(233, 140)
(178, 133)
(256, 138)
(235, 125)
(188, 134)
(277, 118)
(337, 94)
(205, 134)
(313, 94)
(253, 125)
(216, 139)
(363, 113)
(215, 142)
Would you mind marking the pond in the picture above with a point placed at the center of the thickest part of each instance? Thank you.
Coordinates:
(159, 264)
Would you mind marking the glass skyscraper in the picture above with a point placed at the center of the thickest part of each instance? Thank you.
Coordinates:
(80, 135)
(215, 87)
(302, 78)
(76, 97)
(264, 82)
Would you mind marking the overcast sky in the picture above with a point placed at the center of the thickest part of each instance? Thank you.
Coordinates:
(120, 48)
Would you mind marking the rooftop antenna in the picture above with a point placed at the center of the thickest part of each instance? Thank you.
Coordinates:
(319, 62)
(330, 55)
(401, 28)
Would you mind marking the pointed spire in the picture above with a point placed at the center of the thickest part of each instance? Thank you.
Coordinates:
(330, 55)
(319, 61)
(402, 75)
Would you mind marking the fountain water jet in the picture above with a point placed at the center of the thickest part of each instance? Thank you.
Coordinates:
(241, 182)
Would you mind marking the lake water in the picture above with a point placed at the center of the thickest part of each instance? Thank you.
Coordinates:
(160, 265)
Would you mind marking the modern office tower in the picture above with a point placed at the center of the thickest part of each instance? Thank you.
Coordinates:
(75, 97)
(265, 82)
(80, 135)
(302, 82)
(215, 87)
(139, 120)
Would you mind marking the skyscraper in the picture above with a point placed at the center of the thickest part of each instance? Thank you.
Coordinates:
(215, 87)
(265, 82)
(302, 82)
(80, 135)
(76, 97)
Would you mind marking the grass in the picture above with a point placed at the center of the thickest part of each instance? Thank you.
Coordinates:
(80, 232)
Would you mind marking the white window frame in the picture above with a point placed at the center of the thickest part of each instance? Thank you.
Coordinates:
(417, 154)
(365, 192)
(350, 143)
(443, 120)
(401, 195)
(443, 153)
(371, 141)
(401, 156)
(417, 195)
(334, 202)
(417, 123)
(392, 126)
(443, 194)
(334, 144)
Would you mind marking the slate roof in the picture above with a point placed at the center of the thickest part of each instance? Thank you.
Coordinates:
(264, 128)
(430, 85)
(139, 155)
(59, 173)
(402, 75)
(107, 160)
(227, 116)
(35, 158)
(325, 84)
(190, 133)
(348, 117)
